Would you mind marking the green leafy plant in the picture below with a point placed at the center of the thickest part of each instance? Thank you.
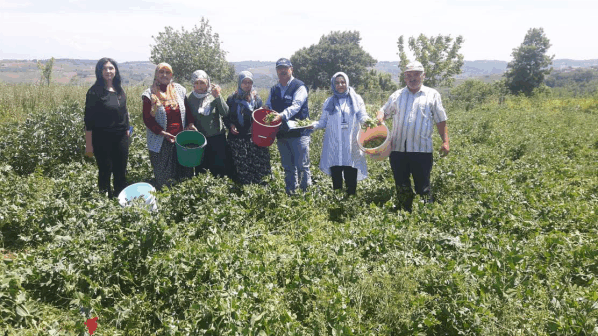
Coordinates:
(509, 247)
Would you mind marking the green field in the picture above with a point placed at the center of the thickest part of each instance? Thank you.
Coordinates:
(509, 248)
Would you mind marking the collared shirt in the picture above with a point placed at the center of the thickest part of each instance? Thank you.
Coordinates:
(414, 116)
(299, 98)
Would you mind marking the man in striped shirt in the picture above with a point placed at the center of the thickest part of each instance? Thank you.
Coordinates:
(415, 109)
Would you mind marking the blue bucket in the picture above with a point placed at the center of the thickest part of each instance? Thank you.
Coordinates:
(138, 190)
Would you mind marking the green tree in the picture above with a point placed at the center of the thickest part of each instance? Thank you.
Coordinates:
(337, 51)
(46, 71)
(530, 63)
(187, 51)
(377, 81)
(439, 55)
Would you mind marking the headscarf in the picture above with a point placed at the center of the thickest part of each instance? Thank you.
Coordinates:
(204, 108)
(242, 96)
(159, 98)
(333, 79)
(331, 107)
(197, 75)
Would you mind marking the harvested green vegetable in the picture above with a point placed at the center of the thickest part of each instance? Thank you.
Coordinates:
(269, 118)
(303, 123)
(374, 142)
(191, 145)
(370, 123)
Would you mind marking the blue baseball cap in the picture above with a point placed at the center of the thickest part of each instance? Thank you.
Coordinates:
(283, 62)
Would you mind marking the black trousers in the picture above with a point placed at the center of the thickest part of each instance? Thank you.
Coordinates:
(419, 166)
(216, 157)
(111, 151)
(350, 176)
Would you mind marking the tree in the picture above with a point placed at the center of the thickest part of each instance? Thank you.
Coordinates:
(439, 55)
(530, 63)
(338, 51)
(377, 81)
(46, 74)
(187, 51)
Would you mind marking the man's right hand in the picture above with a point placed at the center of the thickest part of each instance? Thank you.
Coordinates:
(380, 117)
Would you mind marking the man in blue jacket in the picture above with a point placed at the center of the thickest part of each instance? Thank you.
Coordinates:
(288, 98)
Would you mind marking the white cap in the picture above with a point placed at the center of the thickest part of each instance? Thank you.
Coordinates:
(414, 66)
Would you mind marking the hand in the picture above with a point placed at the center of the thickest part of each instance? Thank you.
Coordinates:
(444, 149)
(380, 117)
(191, 127)
(89, 151)
(88, 144)
(171, 138)
(216, 90)
(276, 119)
(233, 130)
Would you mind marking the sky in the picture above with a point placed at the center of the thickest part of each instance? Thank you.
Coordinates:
(260, 30)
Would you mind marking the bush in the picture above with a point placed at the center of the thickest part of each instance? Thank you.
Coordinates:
(472, 92)
(44, 140)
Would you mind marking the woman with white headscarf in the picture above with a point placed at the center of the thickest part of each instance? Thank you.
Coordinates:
(342, 116)
(165, 116)
(208, 109)
(251, 163)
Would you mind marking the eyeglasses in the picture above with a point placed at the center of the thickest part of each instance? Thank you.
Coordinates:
(411, 75)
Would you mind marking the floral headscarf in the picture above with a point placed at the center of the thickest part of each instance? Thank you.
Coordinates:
(160, 98)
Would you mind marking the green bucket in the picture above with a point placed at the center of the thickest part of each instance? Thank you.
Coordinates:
(189, 148)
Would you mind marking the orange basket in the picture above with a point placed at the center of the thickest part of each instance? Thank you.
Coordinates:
(378, 153)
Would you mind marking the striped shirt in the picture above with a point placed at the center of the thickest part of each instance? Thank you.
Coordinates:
(414, 116)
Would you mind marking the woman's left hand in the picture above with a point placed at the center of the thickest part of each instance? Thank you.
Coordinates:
(216, 90)
(191, 127)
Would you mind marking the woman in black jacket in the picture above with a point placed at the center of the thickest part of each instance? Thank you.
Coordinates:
(107, 126)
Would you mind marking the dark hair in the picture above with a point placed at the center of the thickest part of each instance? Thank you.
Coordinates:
(116, 82)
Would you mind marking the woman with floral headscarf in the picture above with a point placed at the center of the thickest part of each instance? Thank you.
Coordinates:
(164, 115)
(342, 116)
(251, 163)
(208, 109)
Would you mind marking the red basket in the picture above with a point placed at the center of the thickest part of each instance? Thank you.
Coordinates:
(263, 134)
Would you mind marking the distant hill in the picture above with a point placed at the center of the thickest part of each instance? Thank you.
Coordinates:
(81, 72)
(72, 71)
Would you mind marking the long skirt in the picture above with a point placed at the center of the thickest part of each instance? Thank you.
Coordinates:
(251, 163)
(216, 156)
(167, 168)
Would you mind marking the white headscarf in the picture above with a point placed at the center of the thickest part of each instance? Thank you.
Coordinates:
(202, 75)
